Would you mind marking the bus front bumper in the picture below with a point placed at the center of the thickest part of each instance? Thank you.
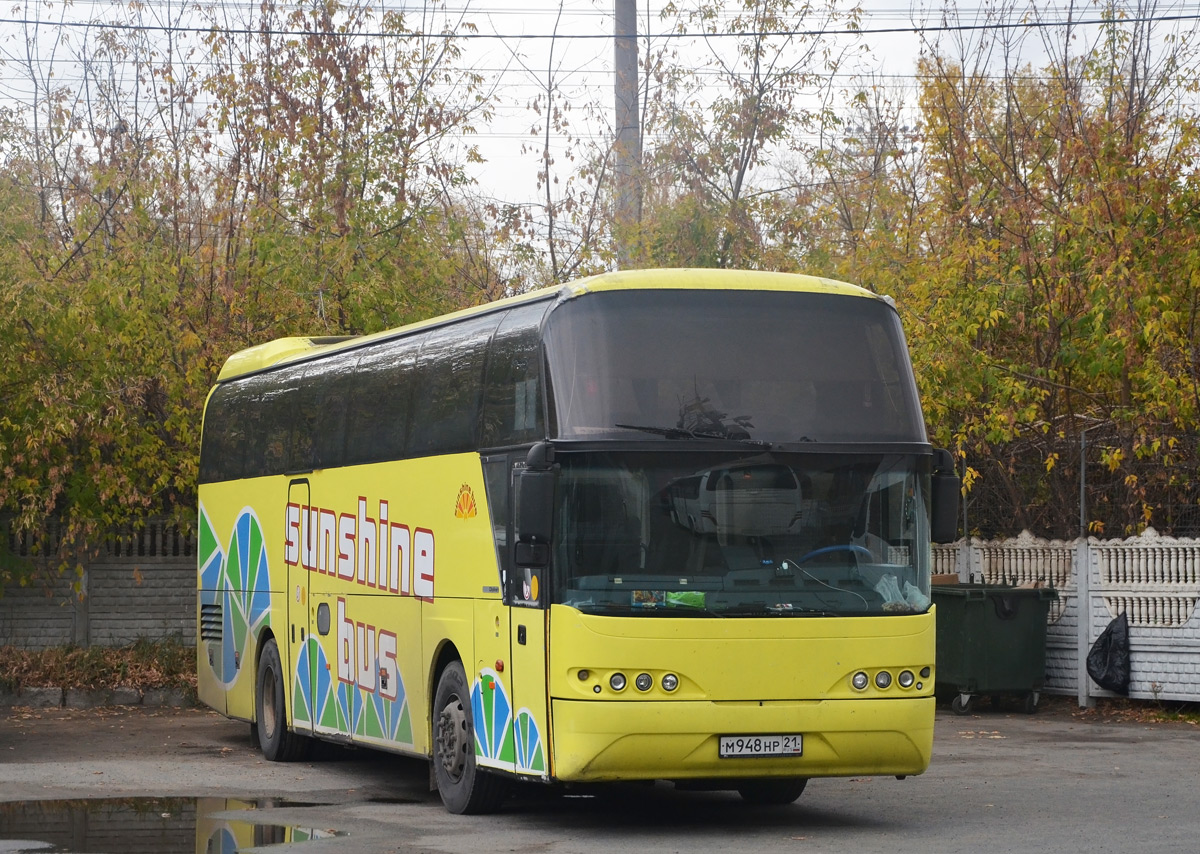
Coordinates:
(605, 741)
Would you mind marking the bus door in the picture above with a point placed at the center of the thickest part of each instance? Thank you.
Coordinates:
(529, 619)
(300, 661)
(329, 679)
(512, 729)
(527, 595)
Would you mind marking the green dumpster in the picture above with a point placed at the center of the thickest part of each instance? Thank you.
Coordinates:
(991, 640)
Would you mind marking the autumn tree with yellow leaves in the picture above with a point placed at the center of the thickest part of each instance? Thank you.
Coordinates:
(305, 172)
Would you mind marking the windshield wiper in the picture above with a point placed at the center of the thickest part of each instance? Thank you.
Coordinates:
(763, 610)
(692, 610)
(673, 610)
(684, 433)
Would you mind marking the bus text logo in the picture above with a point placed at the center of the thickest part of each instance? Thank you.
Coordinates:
(355, 547)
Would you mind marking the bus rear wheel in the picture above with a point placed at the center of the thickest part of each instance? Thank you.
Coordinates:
(465, 788)
(769, 792)
(277, 742)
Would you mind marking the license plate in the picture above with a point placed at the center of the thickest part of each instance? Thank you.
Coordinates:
(733, 746)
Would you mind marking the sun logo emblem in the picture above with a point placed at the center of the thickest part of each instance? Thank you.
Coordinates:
(465, 507)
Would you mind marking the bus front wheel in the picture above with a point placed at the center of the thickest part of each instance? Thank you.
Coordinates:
(771, 792)
(465, 788)
(277, 743)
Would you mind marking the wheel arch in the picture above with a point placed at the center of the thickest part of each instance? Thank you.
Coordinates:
(260, 642)
(447, 653)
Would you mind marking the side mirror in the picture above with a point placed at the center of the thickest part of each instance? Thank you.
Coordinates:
(533, 500)
(945, 489)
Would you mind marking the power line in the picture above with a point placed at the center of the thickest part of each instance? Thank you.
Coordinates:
(916, 29)
(898, 11)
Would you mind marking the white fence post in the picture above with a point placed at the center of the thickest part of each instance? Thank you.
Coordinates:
(1083, 605)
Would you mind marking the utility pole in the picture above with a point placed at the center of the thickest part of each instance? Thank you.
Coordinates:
(628, 150)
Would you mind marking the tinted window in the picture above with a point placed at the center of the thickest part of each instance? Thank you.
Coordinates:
(773, 365)
(224, 445)
(496, 482)
(321, 418)
(250, 427)
(412, 396)
(446, 409)
(513, 397)
(380, 401)
(270, 421)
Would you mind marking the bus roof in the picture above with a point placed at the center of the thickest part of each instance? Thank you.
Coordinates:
(262, 356)
(703, 278)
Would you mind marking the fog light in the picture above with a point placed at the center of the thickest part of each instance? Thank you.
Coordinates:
(670, 682)
(583, 675)
(617, 682)
(644, 681)
(860, 680)
(883, 679)
(906, 678)
(924, 672)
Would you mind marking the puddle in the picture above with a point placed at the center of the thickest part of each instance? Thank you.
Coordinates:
(145, 825)
(393, 801)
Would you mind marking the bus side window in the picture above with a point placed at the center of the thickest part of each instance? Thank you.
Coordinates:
(224, 434)
(513, 398)
(450, 387)
(321, 414)
(271, 449)
(380, 401)
(496, 481)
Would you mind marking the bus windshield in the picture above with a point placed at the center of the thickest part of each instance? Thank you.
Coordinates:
(742, 534)
(771, 366)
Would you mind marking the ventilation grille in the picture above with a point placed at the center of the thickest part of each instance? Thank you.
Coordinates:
(211, 622)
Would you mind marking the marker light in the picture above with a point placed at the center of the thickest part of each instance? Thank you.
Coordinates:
(906, 679)
(883, 679)
(860, 680)
(644, 681)
(617, 681)
(670, 682)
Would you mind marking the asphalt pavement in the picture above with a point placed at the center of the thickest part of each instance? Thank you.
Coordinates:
(168, 779)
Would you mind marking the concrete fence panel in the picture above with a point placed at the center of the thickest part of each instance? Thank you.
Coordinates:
(140, 584)
(1152, 579)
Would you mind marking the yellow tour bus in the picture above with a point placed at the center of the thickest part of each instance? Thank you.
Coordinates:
(650, 525)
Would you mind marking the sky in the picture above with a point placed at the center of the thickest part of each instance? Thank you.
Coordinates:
(515, 52)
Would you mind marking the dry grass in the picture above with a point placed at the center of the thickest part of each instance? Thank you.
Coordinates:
(1143, 711)
(141, 665)
(1122, 710)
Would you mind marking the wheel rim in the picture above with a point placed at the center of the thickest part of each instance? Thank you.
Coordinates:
(452, 739)
(269, 712)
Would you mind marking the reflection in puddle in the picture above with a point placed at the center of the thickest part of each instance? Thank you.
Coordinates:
(143, 825)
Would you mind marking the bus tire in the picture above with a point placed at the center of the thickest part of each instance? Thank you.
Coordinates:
(772, 792)
(277, 742)
(465, 788)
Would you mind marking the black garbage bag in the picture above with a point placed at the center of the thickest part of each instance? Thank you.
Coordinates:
(1108, 661)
